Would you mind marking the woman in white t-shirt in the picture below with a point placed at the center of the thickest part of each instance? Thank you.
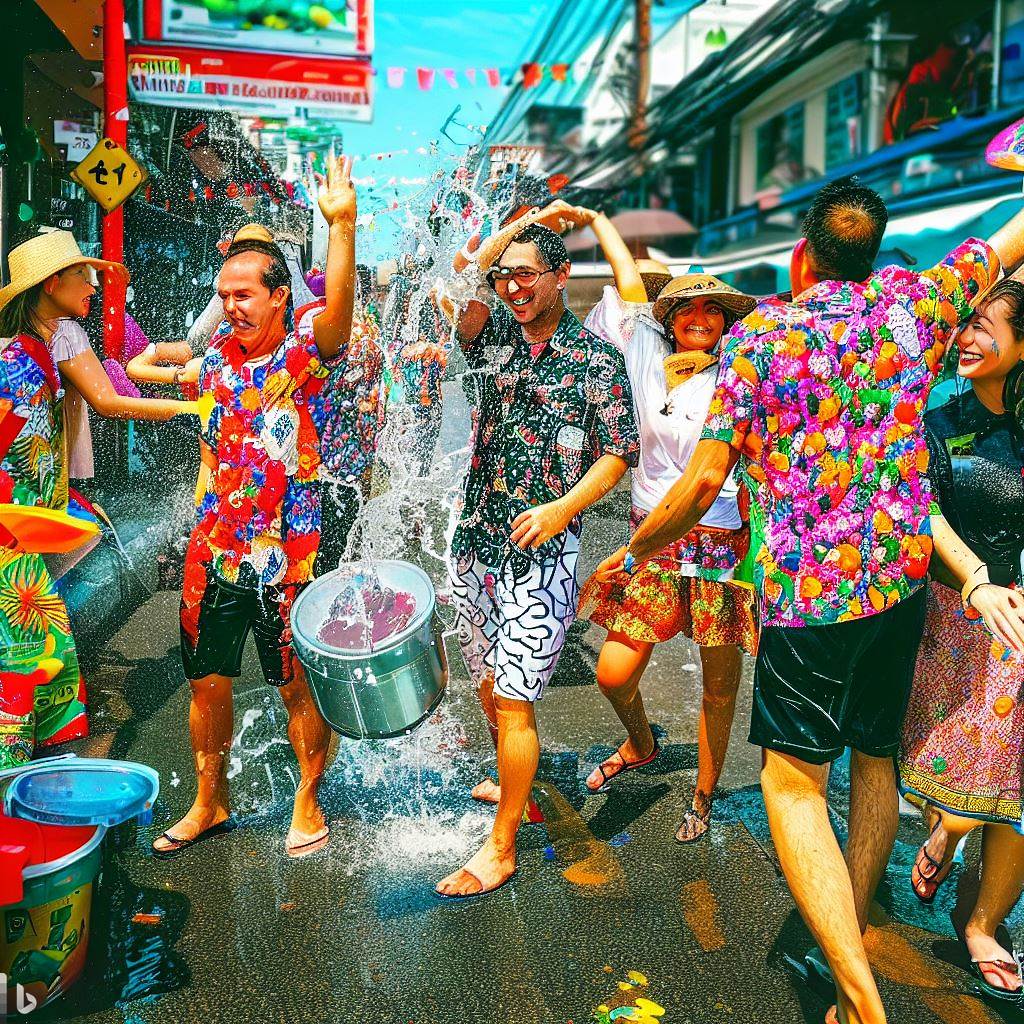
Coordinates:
(687, 588)
(87, 386)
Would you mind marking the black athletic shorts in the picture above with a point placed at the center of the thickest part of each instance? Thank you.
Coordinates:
(227, 613)
(820, 689)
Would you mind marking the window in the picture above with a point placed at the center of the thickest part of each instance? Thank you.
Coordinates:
(780, 149)
(844, 125)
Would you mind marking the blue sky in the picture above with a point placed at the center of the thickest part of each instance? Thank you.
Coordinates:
(449, 33)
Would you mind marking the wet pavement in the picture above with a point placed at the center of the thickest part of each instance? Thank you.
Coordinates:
(355, 933)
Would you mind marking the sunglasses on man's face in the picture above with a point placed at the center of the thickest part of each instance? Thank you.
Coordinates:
(525, 277)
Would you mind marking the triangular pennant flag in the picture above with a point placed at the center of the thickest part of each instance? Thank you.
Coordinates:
(559, 71)
(471, 75)
(425, 76)
(449, 77)
(493, 77)
(396, 78)
(532, 75)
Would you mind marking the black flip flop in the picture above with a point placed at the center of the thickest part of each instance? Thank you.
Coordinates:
(626, 766)
(932, 879)
(473, 895)
(181, 845)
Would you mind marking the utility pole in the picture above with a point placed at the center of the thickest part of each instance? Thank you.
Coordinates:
(115, 126)
(642, 82)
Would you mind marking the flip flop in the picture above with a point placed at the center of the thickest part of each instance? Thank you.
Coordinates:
(473, 895)
(933, 879)
(692, 815)
(181, 845)
(625, 766)
(1011, 966)
(310, 844)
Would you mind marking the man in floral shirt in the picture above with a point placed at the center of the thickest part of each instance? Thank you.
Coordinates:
(820, 400)
(553, 431)
(258, 525)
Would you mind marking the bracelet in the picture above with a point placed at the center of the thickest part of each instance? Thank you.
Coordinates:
(629, 564)
(978, 578)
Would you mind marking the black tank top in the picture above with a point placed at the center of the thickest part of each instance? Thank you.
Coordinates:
(977, 474)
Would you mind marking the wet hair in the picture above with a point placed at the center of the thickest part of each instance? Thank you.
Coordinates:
(549, 244)
(19, 316)
(1010, 292)
(277, 274)
(844, 228)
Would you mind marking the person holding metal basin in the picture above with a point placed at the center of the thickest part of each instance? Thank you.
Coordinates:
(963, 737)
(258, 519)
(553, 432)
(42, 687)
(687, 587)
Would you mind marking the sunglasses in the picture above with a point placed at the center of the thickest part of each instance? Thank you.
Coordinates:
(525, 277)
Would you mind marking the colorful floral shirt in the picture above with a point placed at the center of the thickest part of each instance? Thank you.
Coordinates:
(33, 464)
(262, 504)
(541, 419)
(823, 397)
(350, 407)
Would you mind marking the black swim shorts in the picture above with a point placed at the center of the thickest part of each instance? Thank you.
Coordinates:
(226, 615)
(820, 689)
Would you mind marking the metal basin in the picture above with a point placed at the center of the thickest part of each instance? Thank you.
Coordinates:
(383, 689)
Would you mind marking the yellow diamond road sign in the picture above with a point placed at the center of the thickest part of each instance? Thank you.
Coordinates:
(109, 174)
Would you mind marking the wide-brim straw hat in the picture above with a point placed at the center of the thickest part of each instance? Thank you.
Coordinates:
(702, 286)
(42, 256)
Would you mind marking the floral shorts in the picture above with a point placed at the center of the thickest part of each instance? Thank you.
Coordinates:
(658, 600)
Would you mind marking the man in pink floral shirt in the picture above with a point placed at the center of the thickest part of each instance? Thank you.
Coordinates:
(820, 400)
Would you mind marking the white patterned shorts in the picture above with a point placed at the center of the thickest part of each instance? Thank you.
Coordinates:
(513, 621)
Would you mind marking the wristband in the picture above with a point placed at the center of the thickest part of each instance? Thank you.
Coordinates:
(978, 578)
(629, 564)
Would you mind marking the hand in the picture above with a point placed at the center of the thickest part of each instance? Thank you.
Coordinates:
(560, 216)
(611, 566)
(539, 524)
(1003, 612)
(338, 200)
(461, 262)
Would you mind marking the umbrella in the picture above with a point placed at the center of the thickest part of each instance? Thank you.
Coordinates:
(636, 228)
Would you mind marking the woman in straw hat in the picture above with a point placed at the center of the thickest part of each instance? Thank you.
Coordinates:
(672, 356)
(42, 686)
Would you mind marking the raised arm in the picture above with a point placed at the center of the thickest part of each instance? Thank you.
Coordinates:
(1008, 242)
(86, 372)
(333, 327)
(627, 276)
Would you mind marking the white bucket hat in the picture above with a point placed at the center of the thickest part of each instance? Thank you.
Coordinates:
(41, 257)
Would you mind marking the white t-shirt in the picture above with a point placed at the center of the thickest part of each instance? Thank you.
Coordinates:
(670, 423)
(70, 340)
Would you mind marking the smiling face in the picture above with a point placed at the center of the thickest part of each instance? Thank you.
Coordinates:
(71, 291)
(697, 325)
(988, 347)
(528, 302)
(254, 312)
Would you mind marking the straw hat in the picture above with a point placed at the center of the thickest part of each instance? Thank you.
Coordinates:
(41, 257)
(702, 286)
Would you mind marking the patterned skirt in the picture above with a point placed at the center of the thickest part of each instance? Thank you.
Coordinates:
(42, 693)
(963, 737)
(658, 600)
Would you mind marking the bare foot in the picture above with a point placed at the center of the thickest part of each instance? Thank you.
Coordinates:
(627, 755)
(488, 792)
(484, 872)
(307, 817)
(198, 819)
(995, 963)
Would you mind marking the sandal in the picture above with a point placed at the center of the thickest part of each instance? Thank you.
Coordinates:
(298, 845)
(978, 968)
(622, 765)
(474, 895)
(938, 877)
(693, 821)
(181, 845)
